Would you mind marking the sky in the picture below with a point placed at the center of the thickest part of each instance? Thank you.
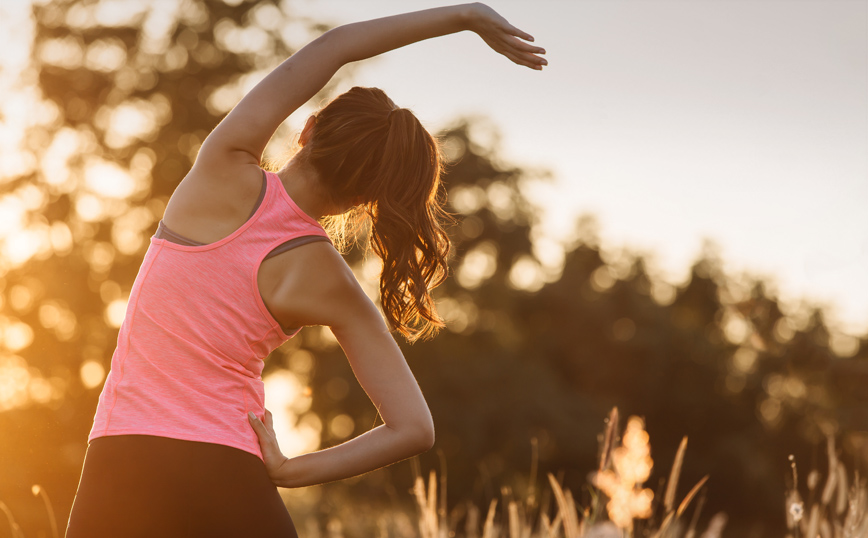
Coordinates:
(742, 122)
(673, 122)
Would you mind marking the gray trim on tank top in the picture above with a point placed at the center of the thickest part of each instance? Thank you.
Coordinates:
(164, 232)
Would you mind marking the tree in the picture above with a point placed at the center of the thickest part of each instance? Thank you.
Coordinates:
(545, 352)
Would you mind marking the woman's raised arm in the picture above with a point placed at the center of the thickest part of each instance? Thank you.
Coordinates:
(244, 132)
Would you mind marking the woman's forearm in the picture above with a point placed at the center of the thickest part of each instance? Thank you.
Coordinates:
(372, 450)
(249, 126)
(362, 40)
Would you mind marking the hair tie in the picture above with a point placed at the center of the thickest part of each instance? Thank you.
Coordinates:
(389, 115)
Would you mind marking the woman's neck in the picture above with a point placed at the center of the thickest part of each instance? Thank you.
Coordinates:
(302, 183)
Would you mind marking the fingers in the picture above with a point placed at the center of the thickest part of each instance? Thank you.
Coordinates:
(523, 53)
(518, 33)
(527, 60)
(263, 431)
(526, 47)
(255, 422)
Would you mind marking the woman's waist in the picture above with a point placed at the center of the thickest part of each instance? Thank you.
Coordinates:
(172, 435)
(135, 401)
(156, 445)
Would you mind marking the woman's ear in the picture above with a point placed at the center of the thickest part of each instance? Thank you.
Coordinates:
(307, 131)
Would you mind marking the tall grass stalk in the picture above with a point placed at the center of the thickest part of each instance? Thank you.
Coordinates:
(623, 465)
(39, 491)
(840, 510)
(13, 526)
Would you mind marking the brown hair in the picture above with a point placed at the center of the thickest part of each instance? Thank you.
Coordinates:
(373, 154)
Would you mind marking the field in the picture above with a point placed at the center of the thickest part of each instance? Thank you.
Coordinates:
(834, 506)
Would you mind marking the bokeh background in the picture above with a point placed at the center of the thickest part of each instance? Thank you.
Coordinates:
(668, 219)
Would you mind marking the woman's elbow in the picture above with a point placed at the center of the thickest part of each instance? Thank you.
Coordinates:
(423, 438)
(427, 441)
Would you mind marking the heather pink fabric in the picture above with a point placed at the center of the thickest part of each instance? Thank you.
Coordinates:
(191, 348)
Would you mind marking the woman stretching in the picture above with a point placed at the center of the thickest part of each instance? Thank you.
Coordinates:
(181, 443)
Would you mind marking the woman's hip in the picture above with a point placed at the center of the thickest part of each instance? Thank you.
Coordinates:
(143, 485)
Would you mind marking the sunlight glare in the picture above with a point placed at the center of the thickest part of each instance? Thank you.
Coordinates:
(108, 179)
(342, 426)
(118, 12)
(467, 199)
(281, 389)
(663, 293)
(602, 278)
(11, 215)
(66, 52)
(240, 40)
(32, 198)
(40, 390)
(459, 315)
(131, 120)
(100, 255)
(21, 298)
(92, 374)
(55, 159)
(89, 208)
(16, 164)
(269, 17)
(744, 359)
(735, 328)
(115, 312)
(106, 55)
(551, 256)
(142, 163)
(478, 265)
(49, 314)
(17, 336)
(14, 378)
(21, 246)
(60, 237)
(128, 230)
(526, 274)
(66, 326)
(301, 361)
(500, 200)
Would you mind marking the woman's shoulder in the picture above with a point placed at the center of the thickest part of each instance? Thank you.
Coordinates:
(211, 201)
(317, 286)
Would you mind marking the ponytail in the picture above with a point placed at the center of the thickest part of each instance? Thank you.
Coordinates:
(369, 151)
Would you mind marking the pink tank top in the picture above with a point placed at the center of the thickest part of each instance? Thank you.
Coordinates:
(192, 345)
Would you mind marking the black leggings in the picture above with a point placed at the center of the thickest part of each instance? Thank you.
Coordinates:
(147, 486)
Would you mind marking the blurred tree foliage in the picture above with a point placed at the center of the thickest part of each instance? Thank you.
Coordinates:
(545, 351)
(542, 338)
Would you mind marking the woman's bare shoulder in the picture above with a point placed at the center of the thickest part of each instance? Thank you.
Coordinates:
(212, 202)
(317, 287)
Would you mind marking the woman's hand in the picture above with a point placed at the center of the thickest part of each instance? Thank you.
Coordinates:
(503, 37)
(271, 454)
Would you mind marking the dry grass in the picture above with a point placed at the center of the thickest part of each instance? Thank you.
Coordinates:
(838, 510)
(619, 500)
(620, 506)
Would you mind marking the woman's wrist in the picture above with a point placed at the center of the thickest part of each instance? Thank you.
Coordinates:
(283, 477)
(468, 14)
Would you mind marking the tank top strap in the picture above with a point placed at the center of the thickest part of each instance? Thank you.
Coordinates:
(276, 184)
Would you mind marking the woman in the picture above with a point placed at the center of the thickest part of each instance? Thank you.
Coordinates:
(181, 444)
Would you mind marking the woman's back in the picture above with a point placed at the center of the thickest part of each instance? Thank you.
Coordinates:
(191, 349)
